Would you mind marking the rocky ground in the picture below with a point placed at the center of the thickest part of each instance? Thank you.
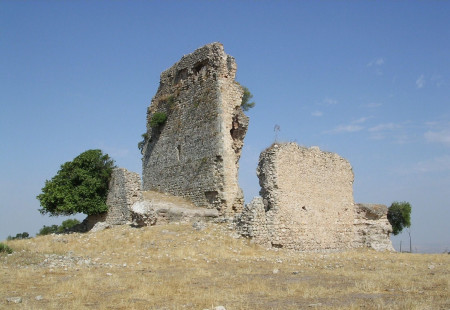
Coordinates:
(207, 266)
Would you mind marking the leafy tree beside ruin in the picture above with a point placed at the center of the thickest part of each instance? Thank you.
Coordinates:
(399, 215)
(55, 229)
(80, 186)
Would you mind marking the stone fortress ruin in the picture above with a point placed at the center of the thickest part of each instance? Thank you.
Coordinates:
(190, 170)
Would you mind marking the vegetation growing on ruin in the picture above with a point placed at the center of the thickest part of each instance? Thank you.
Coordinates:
(80, 186)
(142, 142)
(246, 104)
(158, 119)
(171, 102)
(399, 215)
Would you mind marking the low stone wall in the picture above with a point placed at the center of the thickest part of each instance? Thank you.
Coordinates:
(372, 227)
(252, 222)
(124, 191)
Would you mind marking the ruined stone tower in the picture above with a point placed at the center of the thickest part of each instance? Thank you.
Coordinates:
(194, 153)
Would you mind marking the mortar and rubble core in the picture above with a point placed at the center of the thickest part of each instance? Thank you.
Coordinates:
(372, 228)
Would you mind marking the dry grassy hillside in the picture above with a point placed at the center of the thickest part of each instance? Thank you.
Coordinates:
(179, 267)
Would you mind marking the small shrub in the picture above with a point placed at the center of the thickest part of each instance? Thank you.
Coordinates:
(142, 143)
(171, 102)
(158, 119)
(5, 249)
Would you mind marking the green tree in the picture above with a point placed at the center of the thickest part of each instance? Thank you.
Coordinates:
(80, 186)
(55, 229)
(246, 104)
(19, 236)
(67, 224)
(399, 215)
(47, 230)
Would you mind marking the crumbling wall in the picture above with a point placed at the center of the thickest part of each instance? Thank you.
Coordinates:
(252, 222)
(195, 153)
(308, 198)
(124, 191)
(372, 228)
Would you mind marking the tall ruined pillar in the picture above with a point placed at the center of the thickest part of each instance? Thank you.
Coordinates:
(194, 153)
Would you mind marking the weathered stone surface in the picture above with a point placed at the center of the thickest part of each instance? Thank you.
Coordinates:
(14, 300)
(89, 222)
(142, 214)
(308, 199)
(157, 208)
(307, 204)
(100, 226)
(372, 227)
(252, 222)
(124, 191)
(195, 153)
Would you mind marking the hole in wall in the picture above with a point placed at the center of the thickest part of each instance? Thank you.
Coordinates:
(200, 66)
(211, 196)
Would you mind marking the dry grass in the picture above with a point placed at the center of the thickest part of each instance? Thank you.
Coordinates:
(177, 267)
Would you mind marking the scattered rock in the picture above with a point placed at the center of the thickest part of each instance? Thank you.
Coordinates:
(39, 297)
(315, 305)
(100, 226)
(14, 300)
(199, 225)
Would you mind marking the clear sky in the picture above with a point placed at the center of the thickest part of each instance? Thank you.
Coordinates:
(369, 80)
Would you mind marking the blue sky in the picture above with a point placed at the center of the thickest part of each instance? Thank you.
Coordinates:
(367, 80)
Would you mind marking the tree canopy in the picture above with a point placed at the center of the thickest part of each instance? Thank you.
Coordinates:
(80, 186)
(399, 215)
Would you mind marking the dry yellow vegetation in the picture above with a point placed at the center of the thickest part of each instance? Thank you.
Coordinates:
(179, 267)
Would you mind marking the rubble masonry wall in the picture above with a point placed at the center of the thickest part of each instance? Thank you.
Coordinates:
(195, 154)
